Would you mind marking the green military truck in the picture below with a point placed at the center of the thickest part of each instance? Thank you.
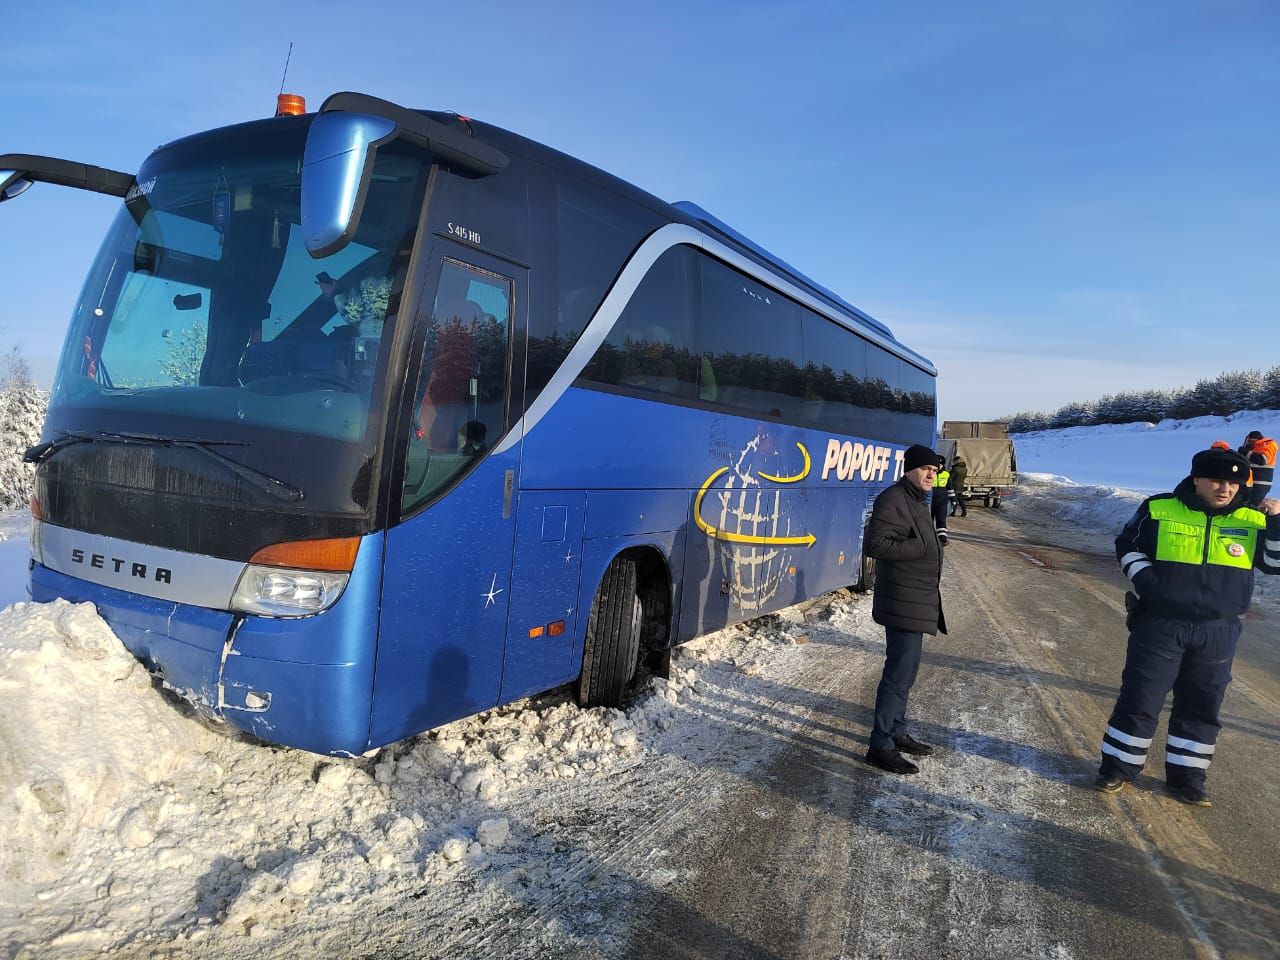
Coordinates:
(987, 449)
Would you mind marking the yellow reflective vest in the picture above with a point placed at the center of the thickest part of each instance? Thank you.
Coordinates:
(1183, 536)
(1186, 564)
(943, 477)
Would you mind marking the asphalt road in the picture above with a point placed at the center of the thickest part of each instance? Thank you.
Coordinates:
(999, 848)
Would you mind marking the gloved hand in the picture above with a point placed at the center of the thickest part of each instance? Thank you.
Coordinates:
(1132, 609)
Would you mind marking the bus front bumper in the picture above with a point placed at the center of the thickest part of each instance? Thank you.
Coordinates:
(214, 660)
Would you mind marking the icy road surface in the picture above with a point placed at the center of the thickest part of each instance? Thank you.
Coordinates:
(724, 813)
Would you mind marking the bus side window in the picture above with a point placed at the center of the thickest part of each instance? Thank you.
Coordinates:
(650, 348)
(460, 402)
(751, 341)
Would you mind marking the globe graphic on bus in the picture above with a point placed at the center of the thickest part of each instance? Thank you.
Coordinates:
(746, 512)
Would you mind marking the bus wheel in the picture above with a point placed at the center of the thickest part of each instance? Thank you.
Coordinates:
(612, 646)
(866, 576)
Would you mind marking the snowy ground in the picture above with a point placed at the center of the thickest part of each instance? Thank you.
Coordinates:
(130, 826)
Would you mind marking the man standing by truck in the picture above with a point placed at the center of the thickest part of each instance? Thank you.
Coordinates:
(959, 473)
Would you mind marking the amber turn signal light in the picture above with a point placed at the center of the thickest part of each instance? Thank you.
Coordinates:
(337, 554)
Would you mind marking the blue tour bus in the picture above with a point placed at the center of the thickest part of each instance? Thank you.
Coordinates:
(372, 418)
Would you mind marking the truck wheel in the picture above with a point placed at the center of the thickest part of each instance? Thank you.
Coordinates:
(866, 576)
(612, 646)
(995, 503)
(986, 501)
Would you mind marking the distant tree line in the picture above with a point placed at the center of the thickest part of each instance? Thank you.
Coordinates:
(1226, 394)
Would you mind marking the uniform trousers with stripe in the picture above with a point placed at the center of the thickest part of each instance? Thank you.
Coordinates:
(938, 505)
(1191, 658)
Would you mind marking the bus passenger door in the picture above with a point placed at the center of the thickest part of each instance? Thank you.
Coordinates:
(447, 571)
(544, 592)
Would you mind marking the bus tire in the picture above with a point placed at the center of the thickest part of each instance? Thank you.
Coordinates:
(866, 575)
(612, 645)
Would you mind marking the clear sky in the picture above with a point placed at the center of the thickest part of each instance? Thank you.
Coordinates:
(1052, 202)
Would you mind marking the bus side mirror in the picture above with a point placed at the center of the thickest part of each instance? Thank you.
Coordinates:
(12, 183)
(337, 164)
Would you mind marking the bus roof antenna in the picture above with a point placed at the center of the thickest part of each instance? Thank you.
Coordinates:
(287, 57)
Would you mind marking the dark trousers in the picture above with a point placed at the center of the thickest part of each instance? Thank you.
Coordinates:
(1193, 659)
(959, 505)
(901, 664)
(939, 506)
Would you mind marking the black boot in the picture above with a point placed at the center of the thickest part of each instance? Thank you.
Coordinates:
(1192, 794)
(1109, 783)
(891, 760)
(906, 743)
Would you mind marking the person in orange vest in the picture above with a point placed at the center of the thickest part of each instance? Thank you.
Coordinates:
(1260, 451)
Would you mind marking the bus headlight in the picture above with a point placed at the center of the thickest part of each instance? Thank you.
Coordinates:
(276, 592)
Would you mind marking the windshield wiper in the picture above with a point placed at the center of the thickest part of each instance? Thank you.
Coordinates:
(262, 480)
(43, 451)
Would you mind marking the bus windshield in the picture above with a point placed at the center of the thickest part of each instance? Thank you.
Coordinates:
(204, 308)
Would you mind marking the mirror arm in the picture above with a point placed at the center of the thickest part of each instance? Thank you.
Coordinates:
(65, 173)
(452, 146)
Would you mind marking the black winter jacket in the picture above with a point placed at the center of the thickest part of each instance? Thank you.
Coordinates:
(1194, 591)
(908, 556)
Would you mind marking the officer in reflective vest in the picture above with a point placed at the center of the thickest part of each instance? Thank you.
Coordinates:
(939, 504)
(1190, 555)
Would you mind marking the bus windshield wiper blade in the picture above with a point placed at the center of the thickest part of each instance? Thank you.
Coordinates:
(264, 481)
(43, 451)
(272, 485)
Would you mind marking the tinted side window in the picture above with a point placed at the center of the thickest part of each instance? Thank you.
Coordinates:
(884, 375)
(652, 348)
(596, 233)
(835, 374)
(919, 391)
(751, 356)
(459, 405)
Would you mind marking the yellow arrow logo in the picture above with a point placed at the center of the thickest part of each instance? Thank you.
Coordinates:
(799, 476)
(807, 540)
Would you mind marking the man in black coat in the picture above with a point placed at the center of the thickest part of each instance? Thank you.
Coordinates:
(908, 601)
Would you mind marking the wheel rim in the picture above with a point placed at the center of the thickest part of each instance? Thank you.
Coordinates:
(637, 618)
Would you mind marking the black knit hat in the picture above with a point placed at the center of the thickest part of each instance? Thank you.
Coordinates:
(919, 455)
(1216, 464)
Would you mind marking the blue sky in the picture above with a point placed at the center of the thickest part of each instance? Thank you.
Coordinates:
(1050, 202)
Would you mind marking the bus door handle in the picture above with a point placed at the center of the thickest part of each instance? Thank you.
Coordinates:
(508, 488)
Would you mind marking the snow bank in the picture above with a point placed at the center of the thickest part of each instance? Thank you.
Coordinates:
(1135, 456)
(1098, 508)
(76, 764)
(126, 819)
